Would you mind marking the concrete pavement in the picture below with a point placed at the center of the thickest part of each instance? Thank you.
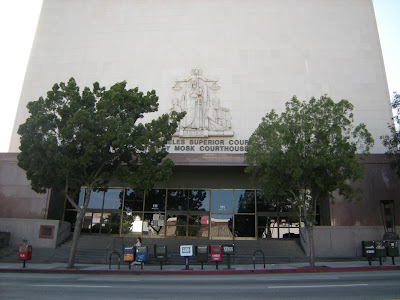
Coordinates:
(195, 268)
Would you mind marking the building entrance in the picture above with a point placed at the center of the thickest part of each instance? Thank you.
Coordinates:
(187, 213)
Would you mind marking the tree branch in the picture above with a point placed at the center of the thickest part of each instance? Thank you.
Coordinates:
(72, 202)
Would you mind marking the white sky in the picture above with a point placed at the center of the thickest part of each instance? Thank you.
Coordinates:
(18, 20)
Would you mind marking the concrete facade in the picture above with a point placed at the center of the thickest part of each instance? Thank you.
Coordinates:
(380, 183)
(245, 57)
(259, 54)
(342, 241)
(30, 231)
(16, 196)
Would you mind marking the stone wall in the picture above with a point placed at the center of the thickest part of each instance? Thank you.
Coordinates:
(380, 183)
(342, 241)
(38, 233)
(17, 200)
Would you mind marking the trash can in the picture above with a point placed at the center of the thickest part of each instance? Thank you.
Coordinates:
(392, 249)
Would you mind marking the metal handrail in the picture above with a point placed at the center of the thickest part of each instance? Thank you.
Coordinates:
(67, 228)
(254, 258)
(113, 243)
(119, 259)
(302, 237)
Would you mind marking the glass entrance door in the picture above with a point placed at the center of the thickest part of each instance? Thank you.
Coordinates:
(188, 213)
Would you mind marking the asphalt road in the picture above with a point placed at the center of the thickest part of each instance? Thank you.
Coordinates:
(343, 285)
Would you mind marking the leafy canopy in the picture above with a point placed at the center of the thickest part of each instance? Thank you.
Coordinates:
(308, 151)
(91, 136)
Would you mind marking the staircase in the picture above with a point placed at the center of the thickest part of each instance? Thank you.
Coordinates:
(96, 249)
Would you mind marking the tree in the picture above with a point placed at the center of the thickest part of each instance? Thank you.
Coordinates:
(392, 141)
(75, 139)
(308, 153)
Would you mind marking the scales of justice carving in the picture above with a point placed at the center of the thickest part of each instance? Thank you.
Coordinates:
(205, 116)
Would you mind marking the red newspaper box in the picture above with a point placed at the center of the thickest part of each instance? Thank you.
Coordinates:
(25, 252)
(215, 252)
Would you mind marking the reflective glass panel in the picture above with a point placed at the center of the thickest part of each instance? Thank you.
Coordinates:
(289, 227)
(245, 226)
(133, 200)
(113, 199)
(132, 223)
(198, 226)
(176, 225)
(199, 200)
(171, 225)
(222, 201)
(111, 222)
(273, 223)
(263, 204)
(221, 226)
(244, 201)
(155, 200)
(96, 200)
(177, 200)
(153, 224)
(96, 223)
(262, 227)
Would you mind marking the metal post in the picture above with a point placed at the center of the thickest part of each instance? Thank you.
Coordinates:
(229, 261)
(187, 263)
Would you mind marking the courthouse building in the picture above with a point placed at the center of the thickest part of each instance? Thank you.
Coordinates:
(226, 63)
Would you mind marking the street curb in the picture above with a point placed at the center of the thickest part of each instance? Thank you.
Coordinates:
(200, 272)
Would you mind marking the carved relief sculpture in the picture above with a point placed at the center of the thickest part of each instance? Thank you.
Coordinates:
(205, 117)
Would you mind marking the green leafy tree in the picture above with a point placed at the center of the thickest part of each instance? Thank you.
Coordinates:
(76, 139)
(307, 153)
(392, 141)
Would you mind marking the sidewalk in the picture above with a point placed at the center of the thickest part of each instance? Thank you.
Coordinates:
(329, 266)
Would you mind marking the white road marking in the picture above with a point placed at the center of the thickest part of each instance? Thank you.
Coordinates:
(104, 279)
(315, 286)
(72, 286)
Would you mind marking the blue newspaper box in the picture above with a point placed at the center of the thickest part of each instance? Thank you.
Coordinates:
(141, 253)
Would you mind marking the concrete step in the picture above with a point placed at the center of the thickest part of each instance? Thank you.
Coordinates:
(96, 249)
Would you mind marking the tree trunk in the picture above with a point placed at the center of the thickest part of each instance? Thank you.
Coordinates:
(78, 228)
(310, 233)
(75, 238)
